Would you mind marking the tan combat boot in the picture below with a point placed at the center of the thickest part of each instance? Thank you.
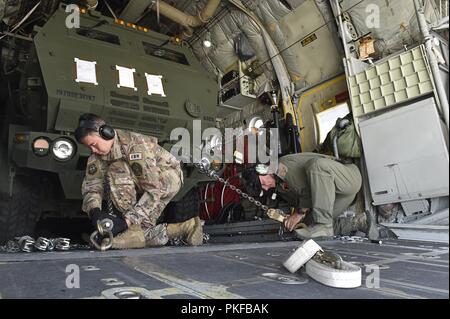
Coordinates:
(190, 231)
(366, 223)
(315, 231)
(133, 237)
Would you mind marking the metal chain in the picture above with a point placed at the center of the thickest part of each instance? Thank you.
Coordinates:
(10, 247)
(211, 173)
(28, 244)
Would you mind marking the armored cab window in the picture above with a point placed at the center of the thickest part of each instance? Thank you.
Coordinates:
(126, 77)
(155, 85)
(99, 35)
(163, 53)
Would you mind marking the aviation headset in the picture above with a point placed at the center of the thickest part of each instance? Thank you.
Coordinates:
(262, 169)
(105, 131)
(251, 179)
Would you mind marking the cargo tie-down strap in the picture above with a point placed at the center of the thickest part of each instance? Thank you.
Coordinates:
(325, 267)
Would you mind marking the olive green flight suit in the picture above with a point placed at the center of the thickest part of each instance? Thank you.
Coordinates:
(318, 182)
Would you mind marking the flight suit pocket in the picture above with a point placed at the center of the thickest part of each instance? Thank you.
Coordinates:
(123, 181)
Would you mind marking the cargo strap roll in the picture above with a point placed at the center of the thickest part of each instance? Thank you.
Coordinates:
(325, 267)
(336, 273)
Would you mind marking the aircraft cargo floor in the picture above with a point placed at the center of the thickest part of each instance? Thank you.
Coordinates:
(407, 269)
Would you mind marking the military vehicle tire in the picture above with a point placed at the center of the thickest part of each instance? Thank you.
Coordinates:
(20, 213)
(186, 208)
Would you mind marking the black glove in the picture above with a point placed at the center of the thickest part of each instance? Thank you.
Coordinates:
(96, 214)
(119, 224)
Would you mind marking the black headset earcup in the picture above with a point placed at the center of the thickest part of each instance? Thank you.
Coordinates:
(107, 132)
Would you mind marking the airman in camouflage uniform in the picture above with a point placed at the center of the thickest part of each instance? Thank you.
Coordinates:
(142, 178)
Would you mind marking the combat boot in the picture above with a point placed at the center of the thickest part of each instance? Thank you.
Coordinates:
(366, 223)
(133, 237)
(315, 231)
(190, 231)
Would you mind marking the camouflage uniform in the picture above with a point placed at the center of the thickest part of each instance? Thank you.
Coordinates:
(318, 182)
(142, 177)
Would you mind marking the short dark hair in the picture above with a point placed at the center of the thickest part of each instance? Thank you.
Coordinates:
(88, 123)
(251, 182)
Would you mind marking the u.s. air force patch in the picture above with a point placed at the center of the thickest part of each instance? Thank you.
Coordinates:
(137, 169)
(92, 169)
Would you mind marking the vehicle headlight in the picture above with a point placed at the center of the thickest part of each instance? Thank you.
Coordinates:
(215, 142)
(212, 147)
(63, 149)
(211, 152)
(41, 146)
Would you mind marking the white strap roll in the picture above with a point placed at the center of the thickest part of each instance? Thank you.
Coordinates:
(347, 276)
(301, 255)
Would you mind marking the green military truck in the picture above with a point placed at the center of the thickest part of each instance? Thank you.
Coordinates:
(135, 78)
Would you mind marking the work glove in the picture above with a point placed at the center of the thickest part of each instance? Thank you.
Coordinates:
(119, 224)
(96, 214)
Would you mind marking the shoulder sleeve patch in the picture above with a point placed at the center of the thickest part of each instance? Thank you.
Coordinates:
(282, 170)
(137, 169)
(95, 168)
(92, 169)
